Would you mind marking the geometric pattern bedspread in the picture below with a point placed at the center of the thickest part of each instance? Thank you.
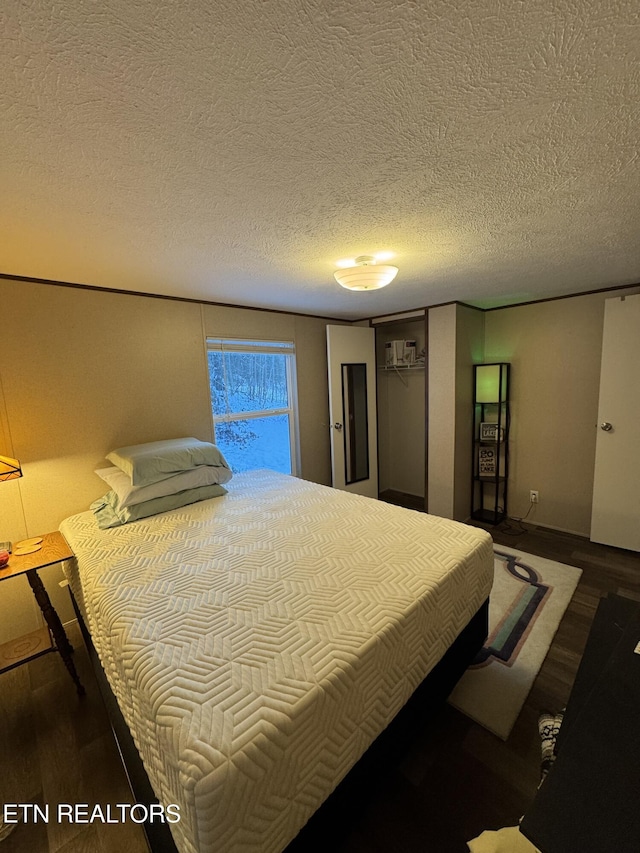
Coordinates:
(257, 643)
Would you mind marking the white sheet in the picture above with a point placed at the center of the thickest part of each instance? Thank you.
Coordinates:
(257, 643)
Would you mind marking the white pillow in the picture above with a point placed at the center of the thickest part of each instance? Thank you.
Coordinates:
(156, 460)
(128, 495)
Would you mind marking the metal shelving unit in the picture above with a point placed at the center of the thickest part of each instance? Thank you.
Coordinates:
(490, 459)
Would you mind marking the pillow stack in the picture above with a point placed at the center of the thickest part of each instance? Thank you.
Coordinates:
(150, 478)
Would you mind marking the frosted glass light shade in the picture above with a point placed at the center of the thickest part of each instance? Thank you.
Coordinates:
(488, 377)
(366, 276)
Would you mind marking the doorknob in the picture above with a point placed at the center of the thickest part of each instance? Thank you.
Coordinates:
(606, 426)
(337, 426)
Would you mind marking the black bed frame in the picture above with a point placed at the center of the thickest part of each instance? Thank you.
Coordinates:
(342, 807)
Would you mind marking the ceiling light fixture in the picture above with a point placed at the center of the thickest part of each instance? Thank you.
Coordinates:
(366, 273)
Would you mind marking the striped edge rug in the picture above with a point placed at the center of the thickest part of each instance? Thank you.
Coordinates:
(528, 600)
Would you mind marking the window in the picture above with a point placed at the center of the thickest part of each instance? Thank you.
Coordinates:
(252, 387)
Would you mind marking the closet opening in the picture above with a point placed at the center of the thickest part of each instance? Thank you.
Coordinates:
(401, 346)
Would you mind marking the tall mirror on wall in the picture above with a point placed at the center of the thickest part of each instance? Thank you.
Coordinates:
(352, 409)
(355, 422)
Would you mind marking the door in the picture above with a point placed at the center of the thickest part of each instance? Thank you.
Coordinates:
(615, 518)
(351, 356)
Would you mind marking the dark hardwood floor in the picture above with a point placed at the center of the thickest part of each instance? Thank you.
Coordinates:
(455, 780)
(57, 747)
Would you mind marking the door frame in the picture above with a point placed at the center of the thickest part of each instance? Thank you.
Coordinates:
(352, 345)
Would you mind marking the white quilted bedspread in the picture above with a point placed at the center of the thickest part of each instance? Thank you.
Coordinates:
(257, 643)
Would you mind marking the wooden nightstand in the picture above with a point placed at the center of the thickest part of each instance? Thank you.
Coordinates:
(51, 638)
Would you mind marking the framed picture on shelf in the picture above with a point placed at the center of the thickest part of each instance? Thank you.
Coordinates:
(489, 432)
(487, 461)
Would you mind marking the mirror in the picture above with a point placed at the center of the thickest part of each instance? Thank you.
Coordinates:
(355, 420)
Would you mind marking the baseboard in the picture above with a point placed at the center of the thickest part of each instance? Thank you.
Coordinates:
(558, 529)
(392, 496)
(531, 524)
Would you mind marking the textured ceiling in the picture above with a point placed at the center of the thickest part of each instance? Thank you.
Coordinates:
(233, 151)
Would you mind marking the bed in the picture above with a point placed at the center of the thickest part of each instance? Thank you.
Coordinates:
(259, 642)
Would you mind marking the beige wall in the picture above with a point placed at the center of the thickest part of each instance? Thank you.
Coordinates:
(554, 349)
(455, 343)
(442, 408)
(469, 351)
(84, 371)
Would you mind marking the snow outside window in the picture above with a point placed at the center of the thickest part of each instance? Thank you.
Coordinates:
(252, 386)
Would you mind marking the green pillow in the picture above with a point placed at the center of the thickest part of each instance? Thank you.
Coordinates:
(108, 515)
(157, 460)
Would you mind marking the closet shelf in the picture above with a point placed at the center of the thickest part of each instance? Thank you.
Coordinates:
(401, 367)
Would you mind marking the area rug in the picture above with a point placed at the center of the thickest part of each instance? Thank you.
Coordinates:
(528, 600)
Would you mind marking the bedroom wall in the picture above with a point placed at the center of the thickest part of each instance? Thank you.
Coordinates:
(441, 370)
(456, 335)
(554, 349)
(84, 371)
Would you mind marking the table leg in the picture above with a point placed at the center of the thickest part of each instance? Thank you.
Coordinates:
(55, 626)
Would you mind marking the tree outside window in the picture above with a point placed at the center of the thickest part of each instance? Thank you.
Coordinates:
(252, 386)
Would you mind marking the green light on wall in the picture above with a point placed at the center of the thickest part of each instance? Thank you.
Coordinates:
(491, 382)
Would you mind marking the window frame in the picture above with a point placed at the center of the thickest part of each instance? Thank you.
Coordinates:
(265, 346)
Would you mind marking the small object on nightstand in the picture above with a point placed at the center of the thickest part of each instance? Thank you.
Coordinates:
(52, 548)
(4, 558)
(5, 546)
(27, 546)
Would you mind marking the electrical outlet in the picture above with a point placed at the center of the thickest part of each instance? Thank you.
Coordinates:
(534, 496)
